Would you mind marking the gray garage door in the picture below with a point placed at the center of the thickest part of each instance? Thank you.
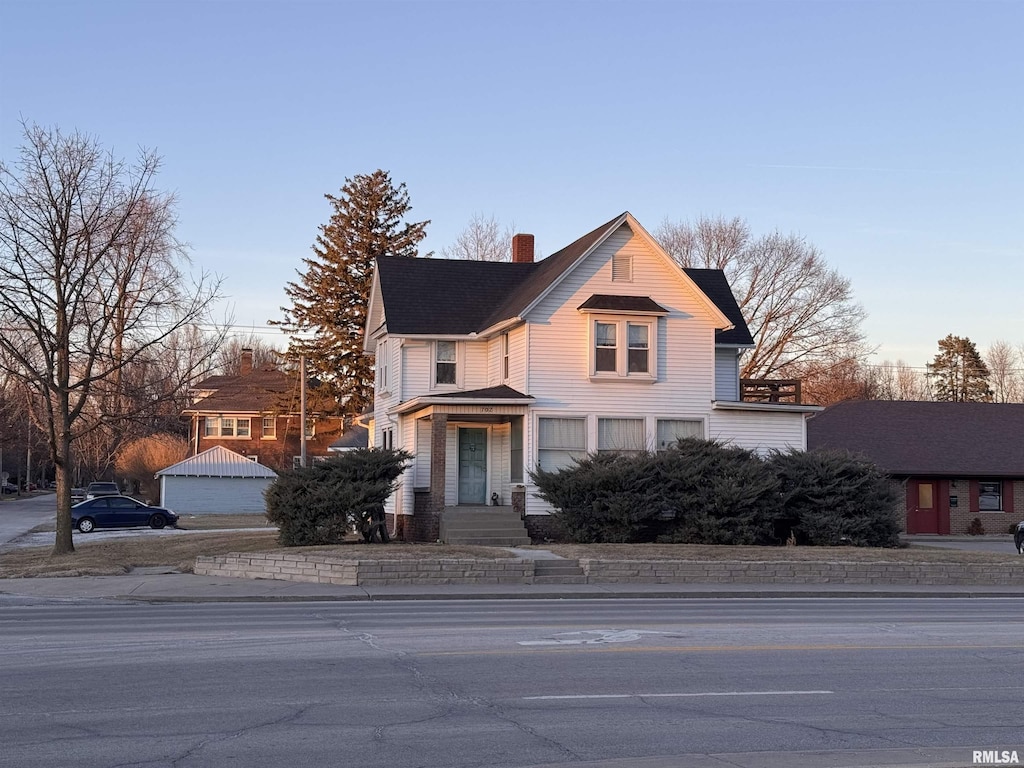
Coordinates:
(215, 495)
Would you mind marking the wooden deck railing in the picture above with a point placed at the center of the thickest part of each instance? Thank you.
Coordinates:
(770, 391)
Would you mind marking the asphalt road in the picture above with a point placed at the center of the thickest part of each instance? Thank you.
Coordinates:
(637, 683)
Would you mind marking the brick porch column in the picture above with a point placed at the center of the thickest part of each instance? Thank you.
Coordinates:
(438, 440)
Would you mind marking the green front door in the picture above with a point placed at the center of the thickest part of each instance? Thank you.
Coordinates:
(472, 465)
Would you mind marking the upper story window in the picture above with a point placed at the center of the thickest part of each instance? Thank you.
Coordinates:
(383, 365)
(445, 365)
(623, 348)
(623, 336)
(227, 426)
(270, 427)
(504, 356)
(310, 427)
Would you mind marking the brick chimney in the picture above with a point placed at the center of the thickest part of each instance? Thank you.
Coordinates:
(245, 368)
(522, 249)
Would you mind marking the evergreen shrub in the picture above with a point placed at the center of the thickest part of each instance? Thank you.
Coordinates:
(704, 492)
(832, 497)
(321, 503)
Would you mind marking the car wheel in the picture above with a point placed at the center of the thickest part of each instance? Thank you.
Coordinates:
(86, 525)
(157, 521)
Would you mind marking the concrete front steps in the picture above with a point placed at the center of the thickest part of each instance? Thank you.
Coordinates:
(558, 572)
(486, 526)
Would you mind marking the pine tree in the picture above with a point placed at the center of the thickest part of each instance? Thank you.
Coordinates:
(330, 300)
(958, 372)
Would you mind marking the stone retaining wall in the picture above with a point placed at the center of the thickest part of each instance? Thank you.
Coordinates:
(325, 569)
(799, 572)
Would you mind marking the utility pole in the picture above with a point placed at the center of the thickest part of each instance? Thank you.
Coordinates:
(302, 410)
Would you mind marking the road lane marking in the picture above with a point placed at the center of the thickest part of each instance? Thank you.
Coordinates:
(595, 637)
(562, 648)
(673, 695)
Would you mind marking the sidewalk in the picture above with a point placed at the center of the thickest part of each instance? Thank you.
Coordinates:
(157, 585)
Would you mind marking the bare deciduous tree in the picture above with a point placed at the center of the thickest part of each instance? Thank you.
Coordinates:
(92, 285)
(899, 381)
(483, 239)
(228, 360)
(801, 312)
(1006, 372)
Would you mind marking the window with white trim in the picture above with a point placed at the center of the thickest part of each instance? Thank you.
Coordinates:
(504, 356)
(383, 365)
(559, 441)
(227, 426)
(621, 436)
(633, 357)
(671, 431)
(270, 427)
(310, 427)
(445, 362)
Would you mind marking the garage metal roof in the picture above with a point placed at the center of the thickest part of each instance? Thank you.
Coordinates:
(217, 462)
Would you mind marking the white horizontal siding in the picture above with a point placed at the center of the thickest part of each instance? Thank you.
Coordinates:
(760, 431)
(474, 361)
(559, 354)
(727, 374)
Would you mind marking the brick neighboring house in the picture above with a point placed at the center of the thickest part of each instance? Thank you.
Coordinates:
(257, 414)
(485, 370)
(953, 462)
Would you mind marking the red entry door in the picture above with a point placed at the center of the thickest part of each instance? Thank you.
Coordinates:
(922, 506)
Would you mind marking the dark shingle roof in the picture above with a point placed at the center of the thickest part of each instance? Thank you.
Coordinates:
(623, 304)
(918, 438)
(714, 285)
(355, 436)
(500, 392)
(262, 390)
(441, 296)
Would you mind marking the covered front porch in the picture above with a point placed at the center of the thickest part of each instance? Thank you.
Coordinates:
(467, 471)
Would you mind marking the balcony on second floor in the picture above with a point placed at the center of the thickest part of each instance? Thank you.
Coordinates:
(770, 391)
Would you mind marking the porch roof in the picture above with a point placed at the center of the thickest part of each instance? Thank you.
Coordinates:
(489, 396)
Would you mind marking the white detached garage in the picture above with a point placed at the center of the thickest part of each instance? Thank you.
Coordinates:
(216, 481)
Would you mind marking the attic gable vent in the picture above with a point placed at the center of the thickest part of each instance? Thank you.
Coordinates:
(622, 267)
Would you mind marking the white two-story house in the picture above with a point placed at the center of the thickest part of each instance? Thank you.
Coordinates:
(485, 370)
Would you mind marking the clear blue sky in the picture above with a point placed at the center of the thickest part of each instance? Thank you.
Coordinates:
(890, 134)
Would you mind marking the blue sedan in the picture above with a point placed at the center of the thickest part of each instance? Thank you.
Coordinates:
(119, 512)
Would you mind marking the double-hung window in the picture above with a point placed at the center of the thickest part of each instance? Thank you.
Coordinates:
(504, 356)
(445, 362)
(269, 427)
(623, 337)
(622, 349)
(605, 347)
(638, 356)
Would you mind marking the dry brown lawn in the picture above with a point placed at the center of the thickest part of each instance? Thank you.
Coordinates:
(118, 556)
